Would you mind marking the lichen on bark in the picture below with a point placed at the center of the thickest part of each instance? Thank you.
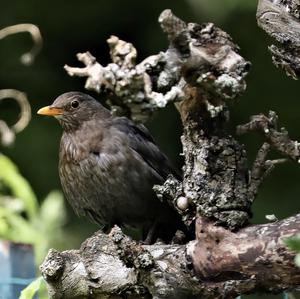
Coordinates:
(281, 20)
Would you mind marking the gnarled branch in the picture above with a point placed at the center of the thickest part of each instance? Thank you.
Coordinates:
(218, 264)
(281, 20)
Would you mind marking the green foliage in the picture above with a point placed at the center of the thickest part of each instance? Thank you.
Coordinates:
(22, 219)
(294, 244)
(19, 187)
(31, 289)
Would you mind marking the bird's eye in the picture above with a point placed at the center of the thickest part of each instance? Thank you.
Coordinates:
(75, 104)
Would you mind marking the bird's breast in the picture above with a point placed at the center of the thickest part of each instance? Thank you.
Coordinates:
(112, 180)
(71, 150)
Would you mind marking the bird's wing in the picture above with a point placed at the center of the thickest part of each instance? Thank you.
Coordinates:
(141, 141)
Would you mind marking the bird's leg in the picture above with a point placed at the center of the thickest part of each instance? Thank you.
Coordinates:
(106, 229)
(150, 239)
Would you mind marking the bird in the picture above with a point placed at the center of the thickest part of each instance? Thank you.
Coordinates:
(108, 166)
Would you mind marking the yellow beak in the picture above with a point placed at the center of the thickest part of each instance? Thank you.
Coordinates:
(52, 111)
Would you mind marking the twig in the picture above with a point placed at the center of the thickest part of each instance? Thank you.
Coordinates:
(8, 133)
(280, 140)
(33, 30)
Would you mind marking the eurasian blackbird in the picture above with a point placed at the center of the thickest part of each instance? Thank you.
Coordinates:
(108, 166)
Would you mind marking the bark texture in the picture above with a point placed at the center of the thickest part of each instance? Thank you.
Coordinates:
(218, 264)
(202, 73)
(281, 20)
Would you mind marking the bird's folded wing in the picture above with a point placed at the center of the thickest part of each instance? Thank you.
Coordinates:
(142, 142)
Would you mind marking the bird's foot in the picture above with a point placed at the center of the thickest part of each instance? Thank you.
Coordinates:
(179, 238)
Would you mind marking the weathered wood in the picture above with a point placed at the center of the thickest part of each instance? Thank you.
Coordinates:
(218, 264)
(281, 20)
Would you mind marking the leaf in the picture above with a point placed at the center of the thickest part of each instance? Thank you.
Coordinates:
(4, 228)
(31, 289)
(52, 216)
(297, 260)
(20, 188)
(19, 229)
(52, 211)
(293, 242)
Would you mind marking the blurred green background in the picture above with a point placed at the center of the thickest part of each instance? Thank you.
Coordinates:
(69, 27)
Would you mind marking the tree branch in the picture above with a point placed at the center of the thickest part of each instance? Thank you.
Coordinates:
(281, 20)
(218, 264)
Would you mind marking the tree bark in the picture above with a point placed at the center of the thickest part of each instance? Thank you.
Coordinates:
(281, 20)
(218, 264)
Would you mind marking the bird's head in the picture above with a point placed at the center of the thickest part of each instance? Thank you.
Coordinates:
(73, 108)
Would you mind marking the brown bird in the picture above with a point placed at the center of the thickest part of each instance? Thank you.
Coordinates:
(108, 166)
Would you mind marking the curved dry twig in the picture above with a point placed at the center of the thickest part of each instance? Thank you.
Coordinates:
(28, 57)
(7, 134)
